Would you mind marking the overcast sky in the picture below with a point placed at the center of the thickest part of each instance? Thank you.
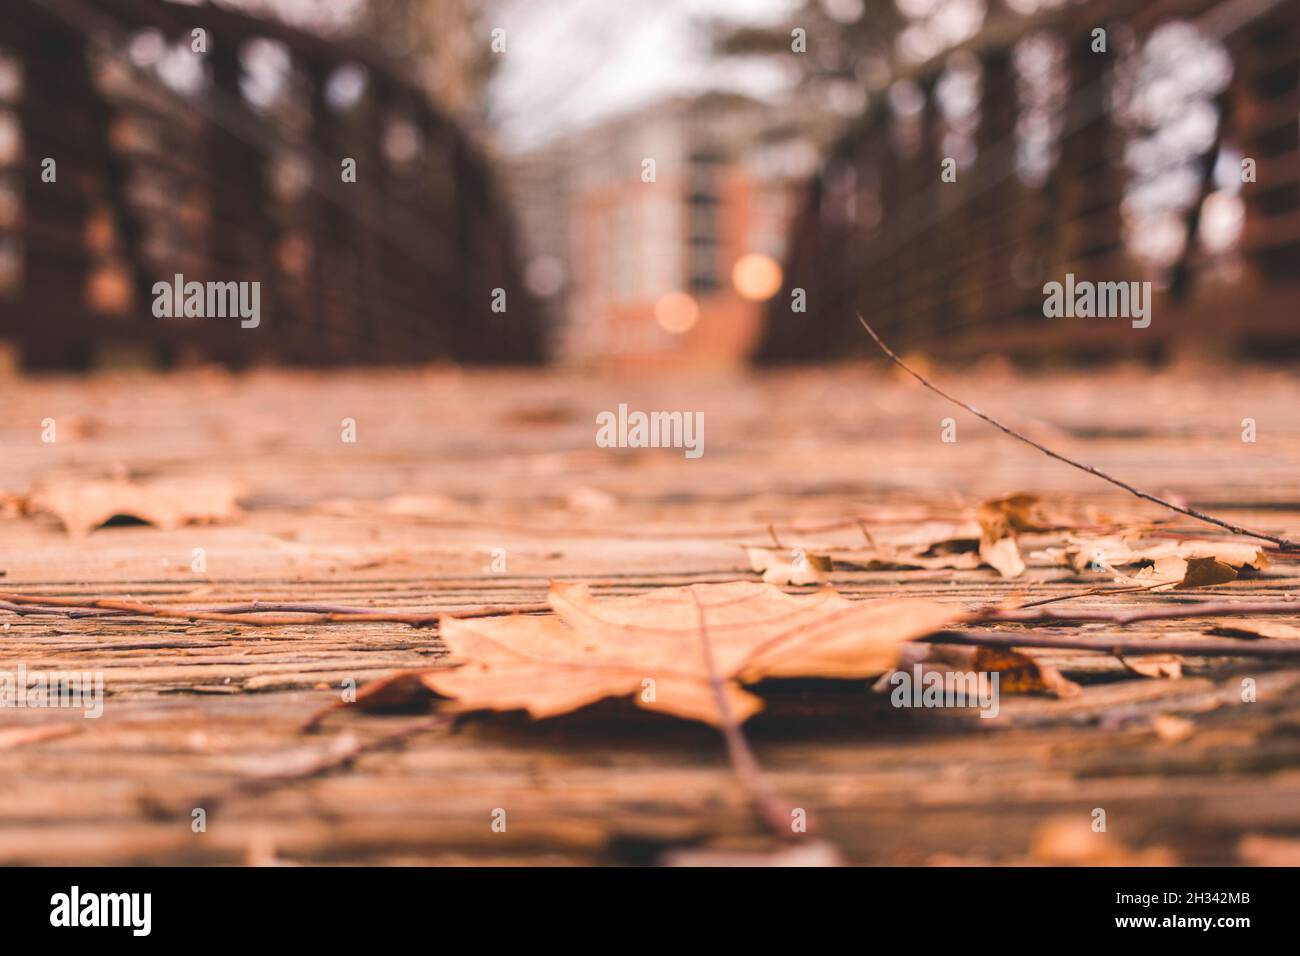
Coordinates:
(569, 62)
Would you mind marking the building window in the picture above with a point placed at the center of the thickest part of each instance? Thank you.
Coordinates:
(702, 202)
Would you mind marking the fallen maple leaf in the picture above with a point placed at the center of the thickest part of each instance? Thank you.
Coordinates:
(648, 647)
(83, 506)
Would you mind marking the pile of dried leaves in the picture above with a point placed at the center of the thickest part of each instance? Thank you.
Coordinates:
(993, 534)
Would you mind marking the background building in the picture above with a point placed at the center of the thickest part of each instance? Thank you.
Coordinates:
(656, 235)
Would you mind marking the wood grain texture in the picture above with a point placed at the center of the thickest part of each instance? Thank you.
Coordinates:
(209, 714)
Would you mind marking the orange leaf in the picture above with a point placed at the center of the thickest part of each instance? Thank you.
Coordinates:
(648, 647)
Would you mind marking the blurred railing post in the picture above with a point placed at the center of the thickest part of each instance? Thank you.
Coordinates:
(1090, 178)
(1265, 111)
(58, 123)
(995, 207)
(239, 247)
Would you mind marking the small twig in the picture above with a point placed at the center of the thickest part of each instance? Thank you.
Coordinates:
(1133, 647)
(742, 758)
(258, 607)
(1283, 543)
(1089, 593)
(253, 613)
(338, 758)
(54, 611)
(1045, 615)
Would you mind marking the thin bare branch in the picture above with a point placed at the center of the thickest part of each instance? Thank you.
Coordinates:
(1050, 615)
(254, 613)
(1088, 593)
(1283, 543)
(1132, 647)
(345, 750)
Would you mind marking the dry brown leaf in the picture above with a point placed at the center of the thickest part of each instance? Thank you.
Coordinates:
(1166, 572)
(1204, 572)
(1091, 554)
(883, 559)
(1020, 674)
(1154, 665)
(395, 692)
(1003, 555)
(1232, 553)
(1016, 513)
(83, 506)
(1172, 563)
(991, 539)
(931, 537)
(1000, 520)
(1176, 572)
(794, 566)
(929, 546)
(1017, 673)
(11, 505)
(648, 647)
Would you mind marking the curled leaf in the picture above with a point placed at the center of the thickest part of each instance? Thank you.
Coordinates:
(83, 506)
(795, 566)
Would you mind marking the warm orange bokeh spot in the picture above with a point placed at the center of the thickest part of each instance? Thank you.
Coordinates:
(756, 276)
(677, 312)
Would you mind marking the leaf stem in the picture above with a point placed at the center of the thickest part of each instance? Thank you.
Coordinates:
(761, 796)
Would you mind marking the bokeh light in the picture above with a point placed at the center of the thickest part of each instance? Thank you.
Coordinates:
(677, 312)
(756, 276)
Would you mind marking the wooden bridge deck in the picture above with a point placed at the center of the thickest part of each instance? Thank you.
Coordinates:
(448, 466)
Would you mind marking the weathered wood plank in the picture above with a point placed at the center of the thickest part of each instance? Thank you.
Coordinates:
(202, 711)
